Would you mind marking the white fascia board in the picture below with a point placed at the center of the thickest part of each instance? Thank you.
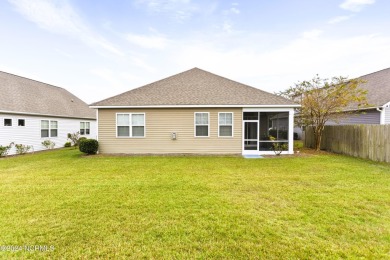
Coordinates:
(267, 109)
(48, 115)
(200, 106)
(387, 104)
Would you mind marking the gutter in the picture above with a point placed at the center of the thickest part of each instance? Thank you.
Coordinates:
(381, 110)
(198, 106)
(382, 115)
(46, 115)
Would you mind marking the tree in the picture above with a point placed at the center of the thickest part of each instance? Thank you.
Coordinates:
(325, 99)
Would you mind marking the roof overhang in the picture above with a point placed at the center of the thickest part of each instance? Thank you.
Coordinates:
(47, 115)
(198, 106)
(387, 104)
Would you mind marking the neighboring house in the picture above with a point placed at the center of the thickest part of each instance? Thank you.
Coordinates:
(378, 96)
(32, 112)
(194, 112)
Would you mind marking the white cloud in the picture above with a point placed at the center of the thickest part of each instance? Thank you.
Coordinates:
(232, 10)
(227, 27)
(312, 34)
(299, 59)
(339, 19)
(177, 9)
(355, 5)
(147, 41)
(59, 17)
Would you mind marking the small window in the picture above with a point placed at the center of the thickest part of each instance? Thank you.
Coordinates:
(130, 125)
(201, 124)
(21, 122)
(84, 128)
(7, 122)
(53, 128)
(225, 124)
(44, 128)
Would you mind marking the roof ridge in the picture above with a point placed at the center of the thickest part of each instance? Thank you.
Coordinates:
(241, 83)
(29, 94)
(151, 93)
(143, 86)
(41, 82)
(373, 72)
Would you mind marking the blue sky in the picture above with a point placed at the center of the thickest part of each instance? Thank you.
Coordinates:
(97, 49)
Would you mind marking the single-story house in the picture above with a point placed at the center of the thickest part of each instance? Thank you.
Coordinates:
(378, 96)
(32, 112)
(194, 112)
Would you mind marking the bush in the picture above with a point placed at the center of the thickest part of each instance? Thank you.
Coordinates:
(5, 149)
(22, 149)
(74, 138)
(68, 144)
(80, 139)
(48, 144)
(89, 146)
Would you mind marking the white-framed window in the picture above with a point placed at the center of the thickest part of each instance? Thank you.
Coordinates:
(44, 128)
(201, 122)
(85, 128)
(21, 122)
(130, 124)
(225, 124)
(7, 122)
(49, 128)
(53, 128)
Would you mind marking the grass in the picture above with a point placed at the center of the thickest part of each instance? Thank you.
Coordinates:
(314, 206)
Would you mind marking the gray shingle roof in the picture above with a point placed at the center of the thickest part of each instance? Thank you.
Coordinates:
(22, 95)
(194, 87)
(378, 87)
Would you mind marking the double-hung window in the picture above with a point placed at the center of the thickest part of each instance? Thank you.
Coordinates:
(53, 128)
(225, 124)
(85, 128)
(130, 125)
(202, 124)
(49, 128)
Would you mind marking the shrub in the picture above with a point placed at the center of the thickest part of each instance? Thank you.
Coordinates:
(74, 138)
(89, 146)
(278, 148)
(81, 139)
(5, 149)
(68, 144)
(22, 149)
(48, 144)
(282, 134)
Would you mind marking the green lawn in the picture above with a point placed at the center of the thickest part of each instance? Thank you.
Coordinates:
(315, 206)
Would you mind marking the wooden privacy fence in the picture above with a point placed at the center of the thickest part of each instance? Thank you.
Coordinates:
(364, 141)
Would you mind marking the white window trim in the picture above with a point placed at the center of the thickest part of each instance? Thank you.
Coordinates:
(85, 128)
(12, 123)
(24, 122)
(130, 125)
(290, 129)
(208, 125)
(226, 125)
(49, 128)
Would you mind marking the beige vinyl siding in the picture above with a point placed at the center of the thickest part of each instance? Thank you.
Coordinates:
(161, 123)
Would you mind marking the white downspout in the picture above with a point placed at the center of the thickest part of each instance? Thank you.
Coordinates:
(382, 115)
(291, 131)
